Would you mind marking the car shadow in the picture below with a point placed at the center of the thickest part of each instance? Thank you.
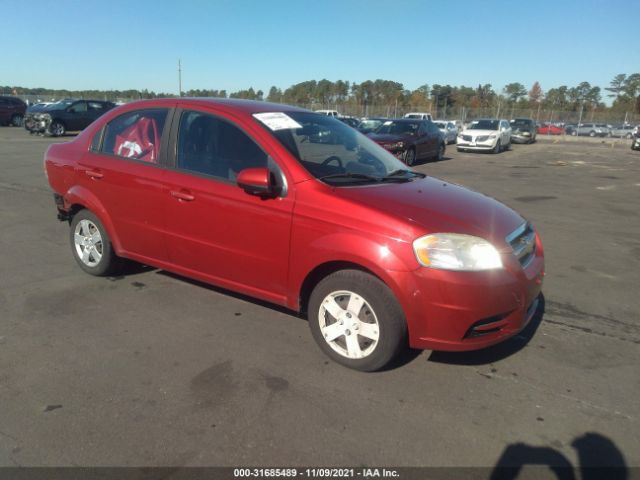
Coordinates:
(598, 458)
(497, 352)
(231, 293)
(431, 160)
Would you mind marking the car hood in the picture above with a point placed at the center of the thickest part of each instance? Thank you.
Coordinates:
(389, 137)
(432, 205)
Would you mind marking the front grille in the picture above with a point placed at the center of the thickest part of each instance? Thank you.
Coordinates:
(523, 243)
(467, 138)
(482, 138)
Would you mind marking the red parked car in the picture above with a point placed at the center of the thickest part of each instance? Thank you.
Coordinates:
(550, 129)
(301, 210)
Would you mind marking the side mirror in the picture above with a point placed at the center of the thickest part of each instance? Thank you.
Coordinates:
(255, 181)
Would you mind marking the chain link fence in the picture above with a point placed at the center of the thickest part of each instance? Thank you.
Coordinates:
(466, 114)
(461, 114)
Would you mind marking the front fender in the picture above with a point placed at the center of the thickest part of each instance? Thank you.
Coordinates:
(79, 195)
(382, 257)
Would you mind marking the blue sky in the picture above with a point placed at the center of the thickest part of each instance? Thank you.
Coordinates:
(235, 45)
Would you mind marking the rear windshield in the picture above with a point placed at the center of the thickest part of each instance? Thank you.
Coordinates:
(399, 128)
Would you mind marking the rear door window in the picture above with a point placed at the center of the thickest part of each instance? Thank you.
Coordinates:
(136, 135)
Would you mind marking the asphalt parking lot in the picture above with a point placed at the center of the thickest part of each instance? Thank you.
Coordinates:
(150, 369)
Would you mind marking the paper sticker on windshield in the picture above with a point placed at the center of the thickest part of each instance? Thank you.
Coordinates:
(277, 120)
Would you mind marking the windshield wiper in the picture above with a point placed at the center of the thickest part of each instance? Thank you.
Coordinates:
(354, 176)
(403, 171)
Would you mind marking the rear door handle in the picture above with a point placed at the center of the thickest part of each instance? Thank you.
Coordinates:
(182, 196)
(95, 174)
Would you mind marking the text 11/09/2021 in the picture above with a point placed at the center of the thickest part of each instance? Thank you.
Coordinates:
(314, 473)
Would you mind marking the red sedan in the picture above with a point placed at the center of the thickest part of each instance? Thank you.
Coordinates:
(300, 210)
(549, 129)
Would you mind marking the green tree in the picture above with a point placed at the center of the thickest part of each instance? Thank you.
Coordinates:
(514, 92)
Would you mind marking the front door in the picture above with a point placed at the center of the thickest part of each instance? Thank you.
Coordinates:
(214, 229)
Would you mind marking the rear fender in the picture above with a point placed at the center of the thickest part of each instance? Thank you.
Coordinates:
(78, 195)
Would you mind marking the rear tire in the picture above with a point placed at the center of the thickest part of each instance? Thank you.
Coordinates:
(356, 320)
(440, 155)
(91, 245)
(17, 120)
(410, 157)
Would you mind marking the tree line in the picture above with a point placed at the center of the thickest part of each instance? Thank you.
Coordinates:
(623, 88)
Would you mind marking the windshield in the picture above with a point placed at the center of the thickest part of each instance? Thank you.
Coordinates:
(485, 125)
(327, 147)
(520, 123)
(59, 105)
(398, 128)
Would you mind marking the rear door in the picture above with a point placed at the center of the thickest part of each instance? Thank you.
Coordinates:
(215, 229)
(76, 116)
(94, 110)
(5, 112)
(124, 170)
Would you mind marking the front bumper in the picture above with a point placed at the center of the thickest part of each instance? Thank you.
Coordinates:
(35, 125)
(520, 138)
(478, 146)
(458, 311)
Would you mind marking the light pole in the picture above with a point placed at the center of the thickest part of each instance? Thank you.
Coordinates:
(179, 78)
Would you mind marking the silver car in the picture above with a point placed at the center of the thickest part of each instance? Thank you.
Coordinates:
(622, 131)
(448, 129)
(592, 130)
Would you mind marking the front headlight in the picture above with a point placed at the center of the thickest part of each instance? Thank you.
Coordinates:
(397, 145)
(493, 135)
(454, 251)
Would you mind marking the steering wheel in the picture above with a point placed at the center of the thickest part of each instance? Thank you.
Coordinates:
(376, 164)
(333, 158)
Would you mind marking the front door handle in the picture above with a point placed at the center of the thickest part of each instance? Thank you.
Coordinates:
(95, 174)
(182, 196)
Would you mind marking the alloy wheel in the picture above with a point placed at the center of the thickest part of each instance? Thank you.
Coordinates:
(348, 324)
(88, 243)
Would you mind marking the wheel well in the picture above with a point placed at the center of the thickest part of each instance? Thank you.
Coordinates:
(75, 208)
(322, 271)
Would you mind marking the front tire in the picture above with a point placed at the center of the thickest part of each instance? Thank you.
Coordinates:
(57, 129)
(356, 320)
(497, 148)
(91, 245)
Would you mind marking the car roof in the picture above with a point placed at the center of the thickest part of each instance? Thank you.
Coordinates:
(235, 104)
(405, 120)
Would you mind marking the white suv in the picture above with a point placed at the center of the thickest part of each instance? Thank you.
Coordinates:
(419, 116)
(330, 113)
(488, 134)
